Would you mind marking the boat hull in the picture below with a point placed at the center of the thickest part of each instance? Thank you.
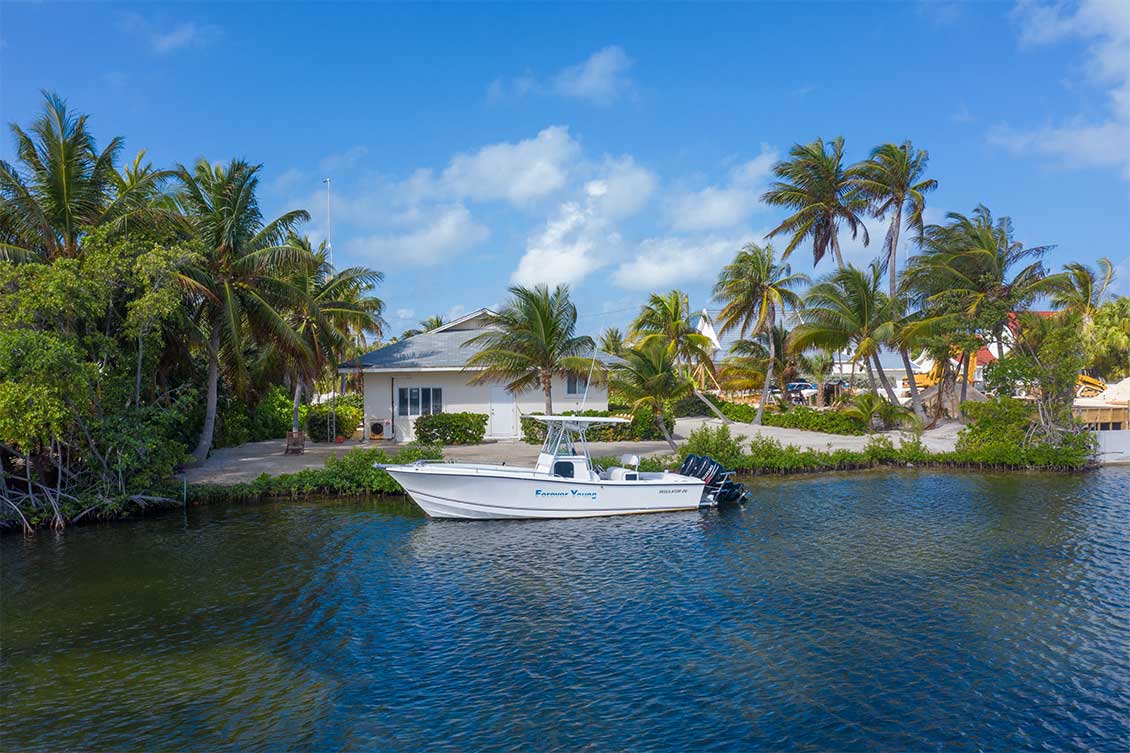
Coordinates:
(499, 493)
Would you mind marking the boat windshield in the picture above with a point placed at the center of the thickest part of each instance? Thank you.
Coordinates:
(561, 441)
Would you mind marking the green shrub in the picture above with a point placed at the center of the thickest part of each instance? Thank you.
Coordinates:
(810, 419)
(271, 418)
(320, 418)
(233, 425)
(715, 442)
(998, 434)
(641, 428)
(451, 428)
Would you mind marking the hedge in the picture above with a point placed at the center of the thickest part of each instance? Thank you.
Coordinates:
(320, 419)
(641, 428)
(451, 428)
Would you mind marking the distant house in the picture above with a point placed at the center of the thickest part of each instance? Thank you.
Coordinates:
(428, 373)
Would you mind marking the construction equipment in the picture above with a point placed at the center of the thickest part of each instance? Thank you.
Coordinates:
(1089, 386)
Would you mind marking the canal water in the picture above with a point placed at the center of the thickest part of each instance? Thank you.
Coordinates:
(895, 611)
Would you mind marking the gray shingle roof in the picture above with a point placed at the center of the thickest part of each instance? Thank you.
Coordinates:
(428, 350)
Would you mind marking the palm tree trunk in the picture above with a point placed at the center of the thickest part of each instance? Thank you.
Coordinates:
(205, 444)
(297, 402)
(137, 374)
(712, 407)
(666, 434)
(893, 251)
(819, 392)
(915, 399)
(547, 390)
(871, 376)
(836, 250)
(965, 376)
(768, 378)
(885, 382)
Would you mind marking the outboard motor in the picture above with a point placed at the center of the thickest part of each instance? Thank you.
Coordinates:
(719, 489)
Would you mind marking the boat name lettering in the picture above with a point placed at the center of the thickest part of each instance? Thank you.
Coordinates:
(570, 493)
(673, 491)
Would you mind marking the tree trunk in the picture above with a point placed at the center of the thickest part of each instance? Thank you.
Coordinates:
(297, 403)
(915, 399)
(886, 382)
(947, 394)
(137, 374)
(836, 250)
(712, 407)
(768, 376)
(820, 392)
(547, 390)
(666, 434)
(893, 251)
(871, 376)
(967, 357)
(202, 449)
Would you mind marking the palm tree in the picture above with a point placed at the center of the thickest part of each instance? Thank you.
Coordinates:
(427, 325)
(1080, 289)
(766, 354)
(753, 288)
(530, 341)
(891, 179)
(849, 309)
(612, 341)
(330, 311)
(822, 194)
(65, 186)
(818, 367)
(650, 378)
(240, 283)
(668, 318)
(969, 264)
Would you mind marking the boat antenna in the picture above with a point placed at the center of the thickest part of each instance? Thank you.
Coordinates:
(588, 381)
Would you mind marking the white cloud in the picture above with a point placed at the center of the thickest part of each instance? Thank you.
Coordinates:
(661, 263)
(405, 314)
(346, 160)
(1080, 141)
(726, 206)
(623, 187)
(183, 35)
(566, 250)
(601, 79)
(450, 231)
(517, 172)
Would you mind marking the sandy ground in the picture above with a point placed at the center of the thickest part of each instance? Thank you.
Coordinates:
(244, 463)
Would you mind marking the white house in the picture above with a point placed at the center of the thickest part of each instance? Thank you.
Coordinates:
(427, 373)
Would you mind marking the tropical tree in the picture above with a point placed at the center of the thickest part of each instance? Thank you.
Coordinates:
(330, 310)
(765, 355)
(612, 341)
(239, 286)
(973, 267)
(753, 289)
(1080, 289)
(1111, 350)
(427, 325)
(530, 341)
(849, 308)
(650, 378)
(817, 366)
(892, 180)
(822, 194)
(64, 186)
(668, 318)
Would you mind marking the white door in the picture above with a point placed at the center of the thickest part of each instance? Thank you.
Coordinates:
(503, 413)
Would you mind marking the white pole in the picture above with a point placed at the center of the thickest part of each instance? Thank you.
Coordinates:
(329, 243)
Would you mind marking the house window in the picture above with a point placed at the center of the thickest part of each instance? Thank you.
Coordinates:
(419, 401)
(575, 385)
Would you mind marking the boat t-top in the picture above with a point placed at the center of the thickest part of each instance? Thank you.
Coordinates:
(564, 483)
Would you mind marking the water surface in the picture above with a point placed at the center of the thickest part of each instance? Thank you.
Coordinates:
(888, 611)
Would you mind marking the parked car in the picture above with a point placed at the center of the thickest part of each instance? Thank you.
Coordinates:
(806, 390)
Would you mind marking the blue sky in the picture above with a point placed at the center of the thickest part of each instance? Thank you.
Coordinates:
(621, 149)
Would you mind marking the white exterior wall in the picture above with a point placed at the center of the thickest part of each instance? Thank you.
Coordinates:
(461, 397)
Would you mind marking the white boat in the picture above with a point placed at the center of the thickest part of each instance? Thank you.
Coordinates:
(563, 484)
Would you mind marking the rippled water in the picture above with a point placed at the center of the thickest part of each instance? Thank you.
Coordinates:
(894, 611)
